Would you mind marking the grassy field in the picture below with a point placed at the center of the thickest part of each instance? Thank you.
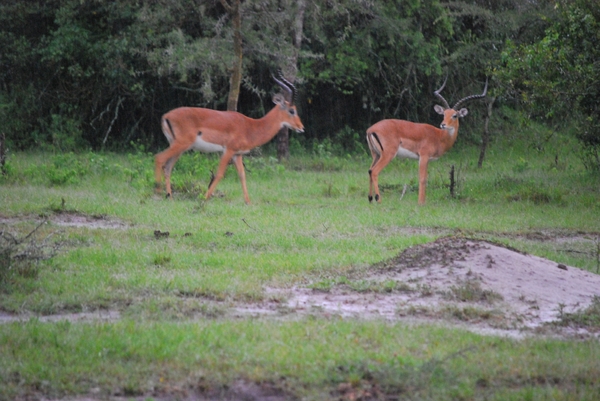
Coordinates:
(309, 220)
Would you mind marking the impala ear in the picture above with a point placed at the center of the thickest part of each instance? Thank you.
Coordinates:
(463, 112)
(439, 109)
(279, 99)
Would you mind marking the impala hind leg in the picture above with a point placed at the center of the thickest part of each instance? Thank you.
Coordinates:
(380, 160)
(376, 157)
(163, 165)
(223, 163)
(375, 148)
(374, 175)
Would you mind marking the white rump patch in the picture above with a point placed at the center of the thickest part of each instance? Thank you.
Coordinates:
(206, 147)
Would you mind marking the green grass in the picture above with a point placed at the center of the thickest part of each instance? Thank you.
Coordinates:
(310, 224)
(310, 358)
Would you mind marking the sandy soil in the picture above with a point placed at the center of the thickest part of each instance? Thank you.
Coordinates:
(474, 284)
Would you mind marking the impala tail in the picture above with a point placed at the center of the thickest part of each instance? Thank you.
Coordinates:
(374, 143)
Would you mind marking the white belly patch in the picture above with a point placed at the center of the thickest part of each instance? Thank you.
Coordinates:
(206, 147)
(406, 154)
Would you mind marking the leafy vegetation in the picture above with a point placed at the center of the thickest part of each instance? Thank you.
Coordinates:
(556, 78)
(106, 72)
(20, 256)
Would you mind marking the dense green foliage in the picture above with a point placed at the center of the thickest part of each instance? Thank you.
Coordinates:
(93, 74)
(558, 77)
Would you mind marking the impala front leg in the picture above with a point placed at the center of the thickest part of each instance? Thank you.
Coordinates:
(423, 163)
(239, 165)
(227, 155)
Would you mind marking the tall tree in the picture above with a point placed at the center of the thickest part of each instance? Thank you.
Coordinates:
(234, 10)
(283, 137)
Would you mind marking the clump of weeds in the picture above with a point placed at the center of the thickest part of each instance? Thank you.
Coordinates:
(587, 318)
(471, 291)
(20, 256)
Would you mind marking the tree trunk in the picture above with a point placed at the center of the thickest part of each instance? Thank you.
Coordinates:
(235, 81)
(2, 153)
(486, 133)
(283, 136)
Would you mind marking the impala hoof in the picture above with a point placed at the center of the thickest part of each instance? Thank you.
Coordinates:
(376, 198)
(370, 199)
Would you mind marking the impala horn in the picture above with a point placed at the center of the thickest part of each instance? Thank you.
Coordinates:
(472, 97)
(288, 88)
(437, 93)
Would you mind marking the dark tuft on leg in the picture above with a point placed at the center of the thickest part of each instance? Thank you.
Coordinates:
(370, 199)
(168, 196)
(376, 198)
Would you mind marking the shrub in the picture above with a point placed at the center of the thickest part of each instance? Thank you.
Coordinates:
(20, 256)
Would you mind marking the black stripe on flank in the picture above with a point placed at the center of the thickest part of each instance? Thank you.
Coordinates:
(378, 141)
(170, 127)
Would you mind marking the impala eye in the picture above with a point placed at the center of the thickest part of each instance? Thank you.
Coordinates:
(293, 112)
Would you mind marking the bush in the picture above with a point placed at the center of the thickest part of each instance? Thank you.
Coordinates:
(66, 169)
(20, 256)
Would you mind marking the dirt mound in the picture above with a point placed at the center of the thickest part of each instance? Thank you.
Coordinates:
(488, 286)
(473, 284)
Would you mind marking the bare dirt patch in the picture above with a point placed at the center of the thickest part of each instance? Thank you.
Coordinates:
(70, 219)
(476, 284)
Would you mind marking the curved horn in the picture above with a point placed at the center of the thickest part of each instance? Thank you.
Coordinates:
(437, 93)
(472, 97)
(287, 86)
(290, 85)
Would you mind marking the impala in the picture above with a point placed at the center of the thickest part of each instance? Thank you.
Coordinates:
(228, 132)
(390, 138)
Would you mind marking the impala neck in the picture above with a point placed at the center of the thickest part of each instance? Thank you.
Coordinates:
(265, 128)
(451, 133)
(448, 136)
